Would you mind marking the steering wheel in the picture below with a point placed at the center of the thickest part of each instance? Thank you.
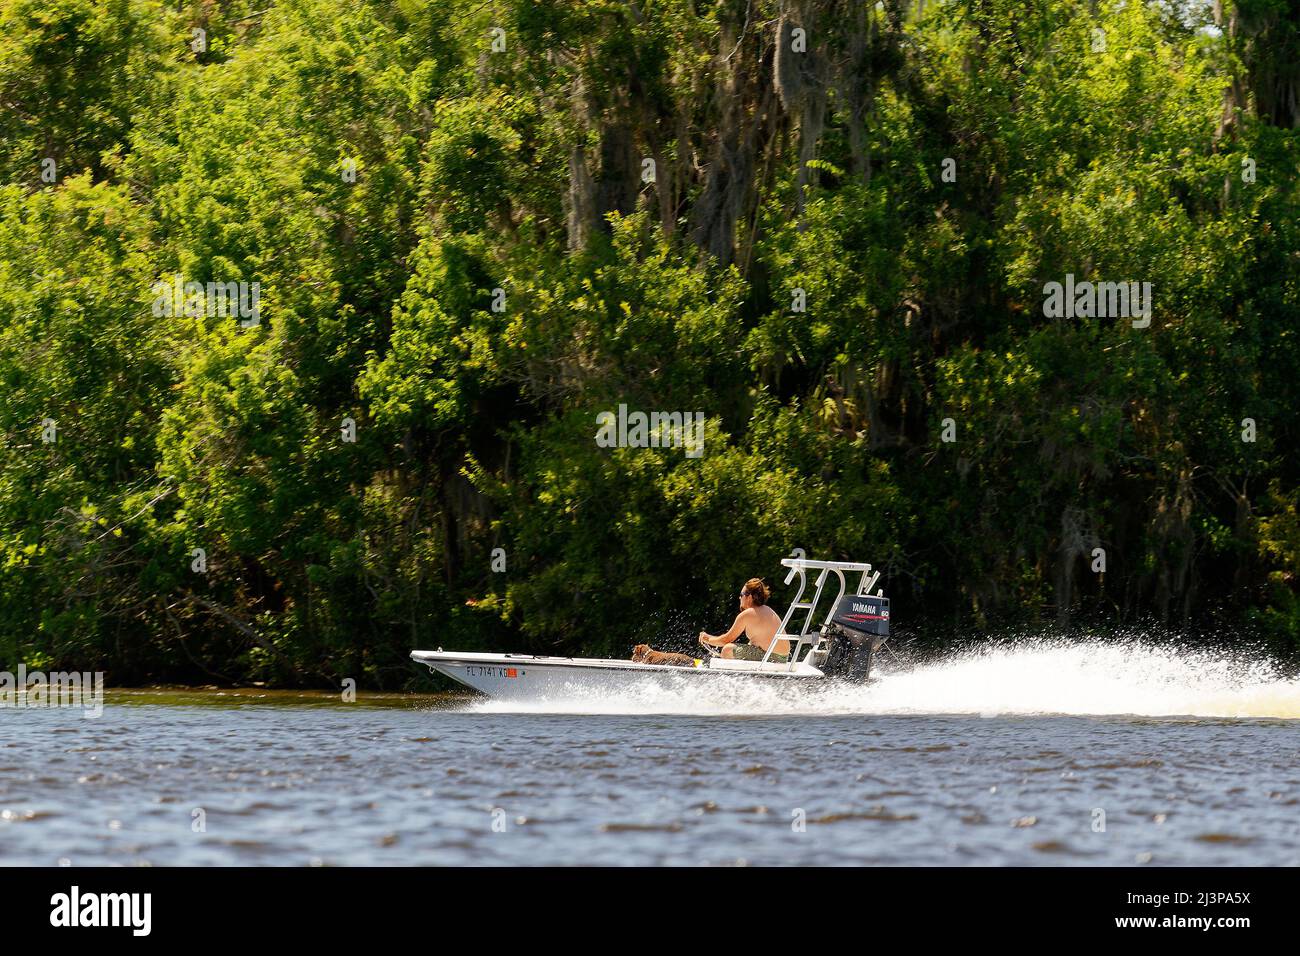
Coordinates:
(713, 649)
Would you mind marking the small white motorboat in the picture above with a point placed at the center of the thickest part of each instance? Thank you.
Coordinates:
(840, 649)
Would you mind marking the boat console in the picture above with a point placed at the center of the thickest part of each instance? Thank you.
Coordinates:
(853, 629)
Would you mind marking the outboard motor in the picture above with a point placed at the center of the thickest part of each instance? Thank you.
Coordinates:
(856, 630)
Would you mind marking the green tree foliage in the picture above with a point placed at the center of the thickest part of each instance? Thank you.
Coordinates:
(73, 74)
(828, 228)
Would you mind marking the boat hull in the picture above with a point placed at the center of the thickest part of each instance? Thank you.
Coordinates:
(519, 677)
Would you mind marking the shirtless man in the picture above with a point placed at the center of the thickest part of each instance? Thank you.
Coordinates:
(756, 621)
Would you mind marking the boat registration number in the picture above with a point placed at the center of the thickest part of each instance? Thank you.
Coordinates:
(477, 670)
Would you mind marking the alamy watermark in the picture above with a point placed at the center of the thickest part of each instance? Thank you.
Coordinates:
(57, 689)
(654, 430)
(130, 910)
(225, 300)
(1101, 300)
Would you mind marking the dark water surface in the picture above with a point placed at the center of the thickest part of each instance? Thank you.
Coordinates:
(301, 779)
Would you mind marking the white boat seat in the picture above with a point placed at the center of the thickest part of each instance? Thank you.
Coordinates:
(730, 664)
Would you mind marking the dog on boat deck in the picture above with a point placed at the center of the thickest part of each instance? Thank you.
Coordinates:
(645, 654)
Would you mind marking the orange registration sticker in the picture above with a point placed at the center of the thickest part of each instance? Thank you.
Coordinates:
(511, 672)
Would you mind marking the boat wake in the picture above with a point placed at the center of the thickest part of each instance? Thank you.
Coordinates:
(1026, 677)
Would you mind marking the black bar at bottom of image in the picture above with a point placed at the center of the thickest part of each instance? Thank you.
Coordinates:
(341, 905)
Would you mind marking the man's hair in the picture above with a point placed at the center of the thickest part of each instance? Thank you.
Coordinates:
(756, 589)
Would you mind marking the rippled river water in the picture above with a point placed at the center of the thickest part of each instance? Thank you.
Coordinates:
(168, 778)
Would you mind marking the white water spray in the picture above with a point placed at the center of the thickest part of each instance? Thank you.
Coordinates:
(1028, 677)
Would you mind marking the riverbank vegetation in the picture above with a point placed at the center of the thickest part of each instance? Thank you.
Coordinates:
(474, 227)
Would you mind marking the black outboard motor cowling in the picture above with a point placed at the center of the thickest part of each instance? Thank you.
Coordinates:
(858, 627)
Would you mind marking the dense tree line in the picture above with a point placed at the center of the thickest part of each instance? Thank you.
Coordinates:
(828, 227)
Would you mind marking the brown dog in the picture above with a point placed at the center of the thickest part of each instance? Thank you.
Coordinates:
(644, 654)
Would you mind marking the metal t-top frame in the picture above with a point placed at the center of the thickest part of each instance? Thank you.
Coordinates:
(801, 566)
